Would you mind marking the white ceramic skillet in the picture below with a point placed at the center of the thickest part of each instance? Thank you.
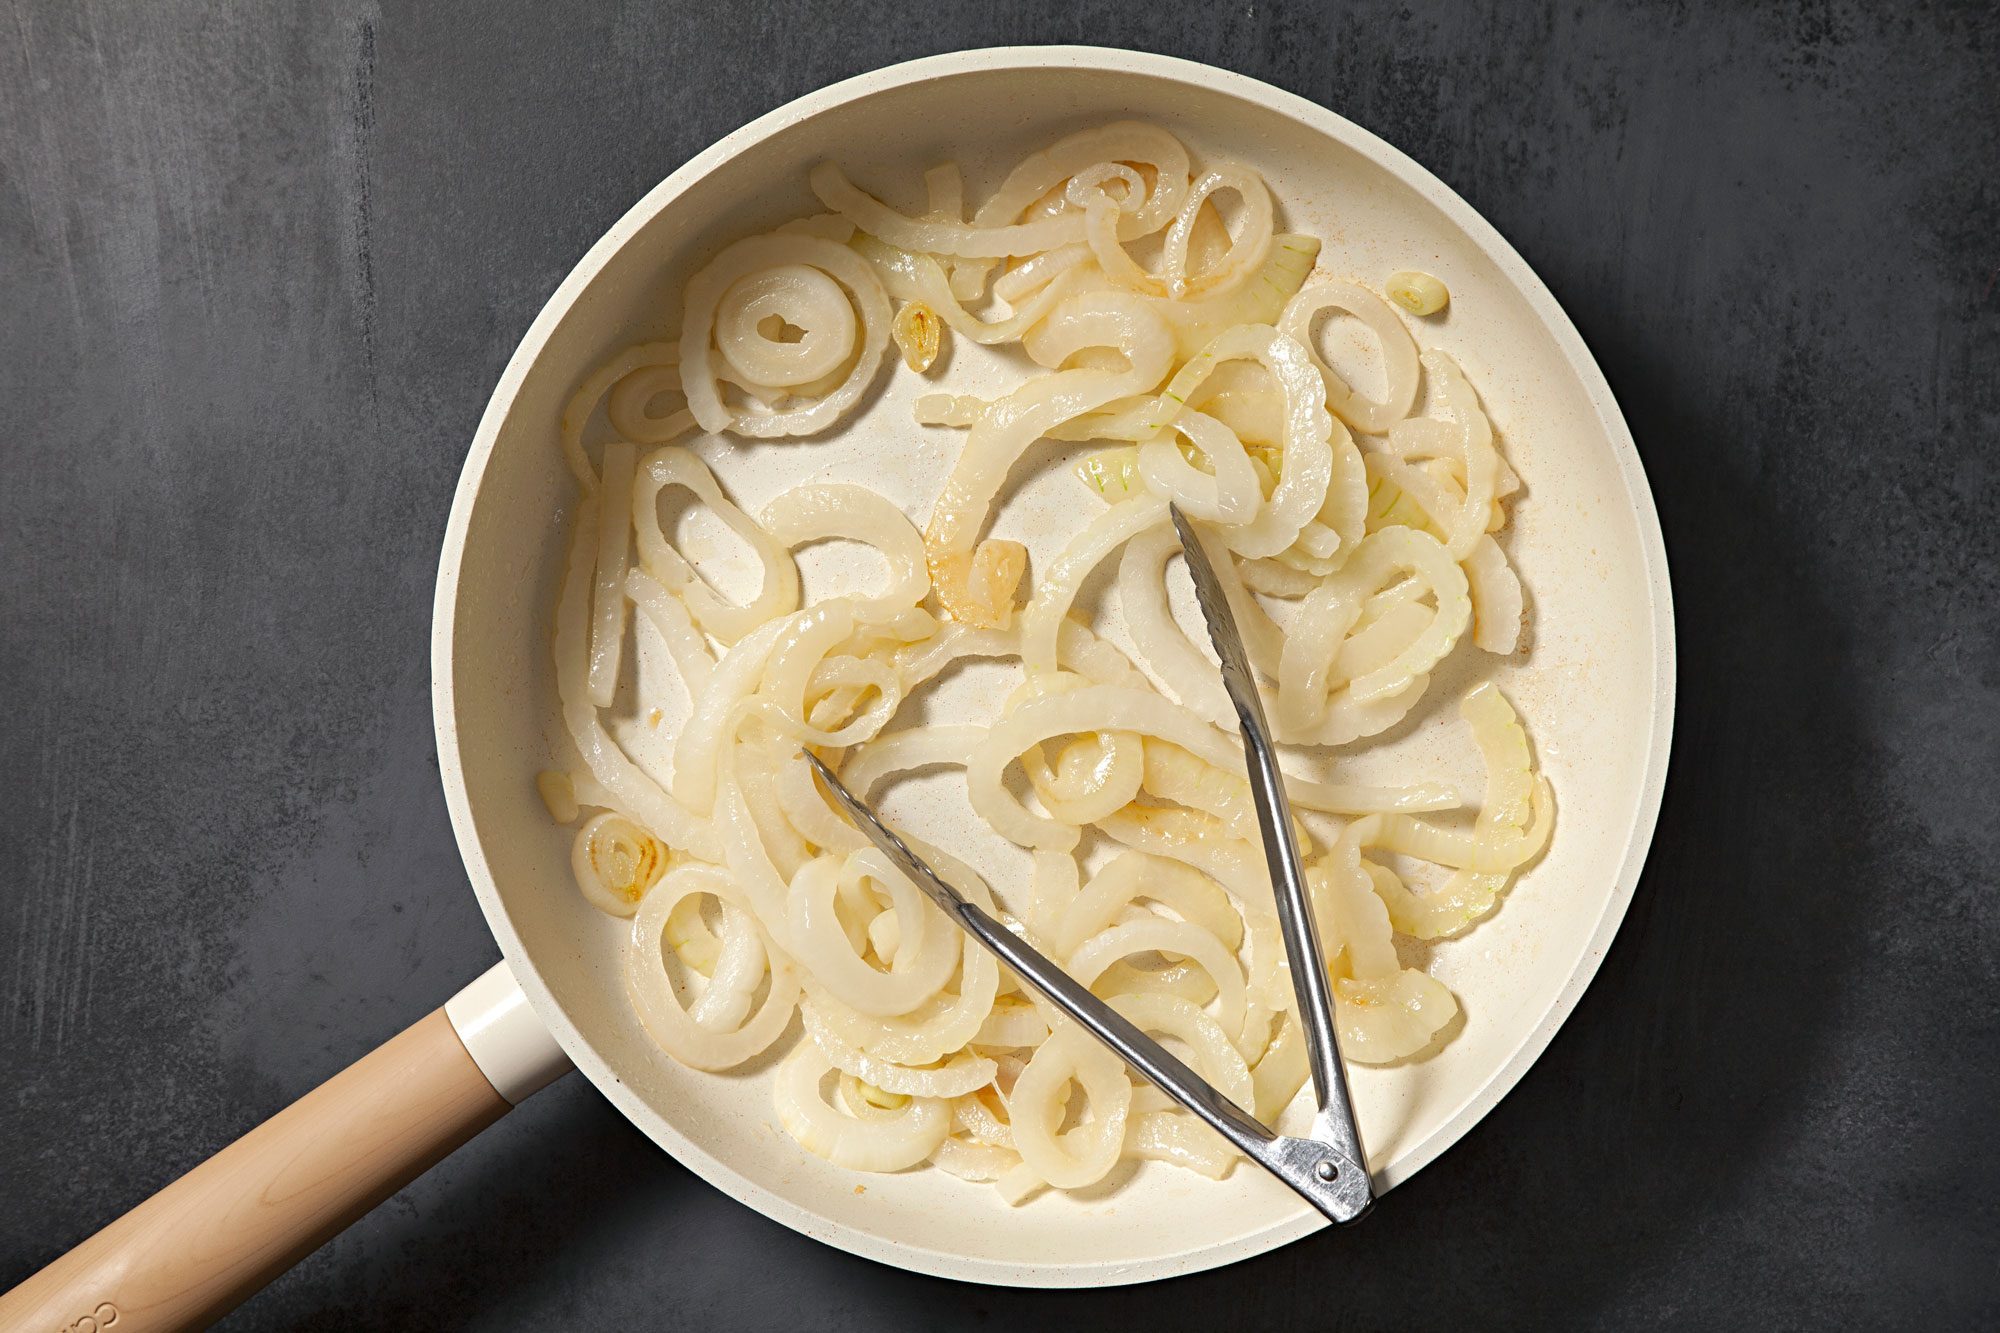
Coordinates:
(1594, 686)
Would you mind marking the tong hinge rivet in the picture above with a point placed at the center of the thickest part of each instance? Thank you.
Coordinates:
(1326, 1170)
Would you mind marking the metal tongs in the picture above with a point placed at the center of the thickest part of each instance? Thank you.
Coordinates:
(1327, 1168)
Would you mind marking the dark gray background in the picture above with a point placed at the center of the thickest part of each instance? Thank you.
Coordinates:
(259, 267)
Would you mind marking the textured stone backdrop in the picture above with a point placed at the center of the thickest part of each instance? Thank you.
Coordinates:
(259, 266)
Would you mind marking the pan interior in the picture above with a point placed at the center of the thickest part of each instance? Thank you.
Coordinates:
(1593, 687)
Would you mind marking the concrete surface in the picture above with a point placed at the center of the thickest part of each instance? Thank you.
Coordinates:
(259, 266)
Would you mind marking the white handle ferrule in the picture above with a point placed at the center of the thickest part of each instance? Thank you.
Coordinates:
(510, 1045)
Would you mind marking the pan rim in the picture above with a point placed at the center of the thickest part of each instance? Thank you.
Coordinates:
(580, 1048)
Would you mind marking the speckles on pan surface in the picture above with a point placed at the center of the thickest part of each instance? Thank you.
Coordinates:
(1773, 224)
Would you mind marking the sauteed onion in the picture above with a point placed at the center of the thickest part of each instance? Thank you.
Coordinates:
(1160, 316)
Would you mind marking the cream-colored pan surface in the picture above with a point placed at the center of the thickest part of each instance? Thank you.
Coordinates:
(1594, 682)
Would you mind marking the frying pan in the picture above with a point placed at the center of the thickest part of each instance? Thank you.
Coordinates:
(1595, 687)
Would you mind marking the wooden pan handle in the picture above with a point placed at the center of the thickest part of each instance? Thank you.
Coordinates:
(212, 1238)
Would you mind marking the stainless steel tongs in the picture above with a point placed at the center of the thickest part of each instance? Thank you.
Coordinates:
(1327, 1168)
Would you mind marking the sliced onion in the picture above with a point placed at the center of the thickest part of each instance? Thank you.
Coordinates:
(1043, 618)
(624, 782)
(925, 958)
(614, 548)
(1172, 1136)
(1093, 708)
(1399, 353)
(615, 862)
(975, 582)
(1495, 591)
(778, 584)
(648, 366)
(1085, 1153)
(1315, 459)
(887, 1143)
(1160, 934)
(1247, 249)
(808, 282)
(963, 1073)
(652, 989)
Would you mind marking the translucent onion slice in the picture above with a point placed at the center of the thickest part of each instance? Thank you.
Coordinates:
(1495, 591)
(688, 934)
(921, 280)
(1185, 939)
(1093, 775)
(887, 1143)
(1385, 1019)
(1131, 876)
(1457, 490)
(1086, 1152)
(657, 1002)
(923, 236)
(1173, 774)
(976, 586)
(1011, 1025)
(1479, 461)
(993, 233)
(1167, 653)
(1215, 1056)
(1277, 1078)
(755, 763)
(807, 282)
(1053, 884)
(669, 616)
(1491, 853)
(963, 1073)
(1019, 1185)
(1399, 353)
(941, 1024)
(797, 667)
(933, 1030)
(1178, 1138)
(614, 549)
(1035, 274)
(645, 364)
(795, 294)
(923, 661)
(1275, 579)
(974, 1161)
(817, 512)
(926, 956)
(1042, 621)
(625, 784)
(558, 793)
(1145, 146)
(702, 746)
(739, 967)
(1385, 1011)
(1247, 249)
(1093, 708)
(1260, 300)
(981, 1116)
(1314, 459)
(1222, 273)
(631, 406)
(778, 584)
(1310, 671)
(1198, 839)
(615, 862)
(1226, 494)
(745, 852)
(902, 751)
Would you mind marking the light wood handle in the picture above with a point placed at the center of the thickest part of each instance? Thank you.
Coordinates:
(193, 1251)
